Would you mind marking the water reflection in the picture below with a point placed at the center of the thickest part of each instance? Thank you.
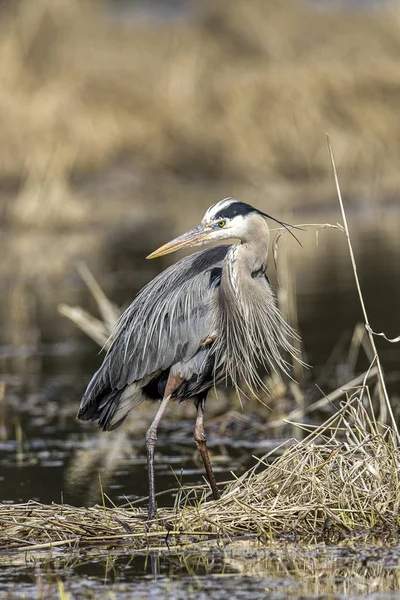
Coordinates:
(242, 569)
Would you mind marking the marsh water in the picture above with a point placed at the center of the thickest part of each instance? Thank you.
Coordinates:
(46, 455)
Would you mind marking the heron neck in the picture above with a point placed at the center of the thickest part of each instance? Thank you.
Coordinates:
(249, 257)
(252, 252)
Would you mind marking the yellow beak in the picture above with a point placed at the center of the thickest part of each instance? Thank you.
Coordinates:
(194, 237)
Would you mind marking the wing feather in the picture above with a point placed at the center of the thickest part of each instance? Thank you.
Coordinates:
(165, 324)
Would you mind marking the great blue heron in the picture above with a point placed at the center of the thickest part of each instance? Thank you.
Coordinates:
(211, 316)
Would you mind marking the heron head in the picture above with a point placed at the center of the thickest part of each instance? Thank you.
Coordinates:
(226, 219)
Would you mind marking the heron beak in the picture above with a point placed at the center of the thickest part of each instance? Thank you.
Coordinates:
(194, 237)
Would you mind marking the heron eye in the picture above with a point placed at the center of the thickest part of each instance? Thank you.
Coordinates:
(221, 223)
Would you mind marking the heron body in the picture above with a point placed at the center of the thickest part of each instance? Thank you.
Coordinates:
(211, 316)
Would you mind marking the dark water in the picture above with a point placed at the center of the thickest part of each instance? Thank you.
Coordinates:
(242, 570)
(46, 455)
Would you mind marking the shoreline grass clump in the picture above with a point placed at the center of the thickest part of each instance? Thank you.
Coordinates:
(341, 482)
(343, 476)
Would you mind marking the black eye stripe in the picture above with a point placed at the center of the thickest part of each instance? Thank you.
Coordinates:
(233, 210)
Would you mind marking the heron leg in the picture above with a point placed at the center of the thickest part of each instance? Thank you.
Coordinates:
(173, 383)
(201, 443)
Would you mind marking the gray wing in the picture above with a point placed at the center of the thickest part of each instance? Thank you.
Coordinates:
(165, 324)
(168, 319)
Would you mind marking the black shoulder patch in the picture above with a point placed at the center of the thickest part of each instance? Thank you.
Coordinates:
(206, 258)
(199, 262)
(234, 209)
(215, 276)
(258, 273)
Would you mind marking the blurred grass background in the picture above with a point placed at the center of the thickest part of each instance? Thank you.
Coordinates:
(104, 113)
(121, 121)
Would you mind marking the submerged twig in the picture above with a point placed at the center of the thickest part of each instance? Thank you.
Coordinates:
(108, 310)
(98, 330)
(93, 327)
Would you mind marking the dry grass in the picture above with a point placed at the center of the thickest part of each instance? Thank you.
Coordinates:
(241, 93)
(344, 475)
(340, 482)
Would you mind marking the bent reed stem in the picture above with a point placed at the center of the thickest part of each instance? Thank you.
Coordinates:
(363, 308)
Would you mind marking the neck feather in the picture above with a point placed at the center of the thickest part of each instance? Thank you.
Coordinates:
(248, 257)
(251, 332)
